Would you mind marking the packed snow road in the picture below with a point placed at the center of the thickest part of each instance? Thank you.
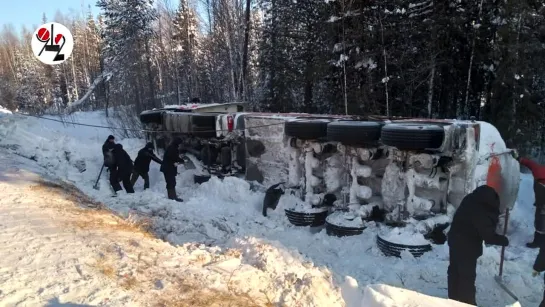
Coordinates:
(60, 247)
(291, 265)
(56, 253)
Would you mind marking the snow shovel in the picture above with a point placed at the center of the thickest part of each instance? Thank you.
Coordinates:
(498, 278)
(98, 178)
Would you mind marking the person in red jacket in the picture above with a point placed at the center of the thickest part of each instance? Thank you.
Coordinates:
(538, 171)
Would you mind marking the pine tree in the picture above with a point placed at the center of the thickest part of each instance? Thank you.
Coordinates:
(127, 34)
(186, 37)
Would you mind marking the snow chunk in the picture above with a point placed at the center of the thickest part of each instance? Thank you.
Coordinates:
(367, 63)
(345, 219)
(393, 186)
(285, 275)
(405, 236)
(4, 111)
(294, 167)
(351, 293)
(490, 139)
(293, 203)
(363, 191)
(231, 189)
(379, 295)
(363, 170)
(333, 173)
(314, 181)
(428, 224)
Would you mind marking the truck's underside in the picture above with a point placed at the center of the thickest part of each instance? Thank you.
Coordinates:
(406, 168)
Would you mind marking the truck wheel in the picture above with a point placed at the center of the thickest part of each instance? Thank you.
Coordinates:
(226, 157)
(208, 156)
(413, 136)
(307, 129)
(152, 116)
(203, 121)
(354, 132)
(241, 155)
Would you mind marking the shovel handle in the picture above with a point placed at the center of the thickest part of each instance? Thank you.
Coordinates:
(100, 173)
(503, 247)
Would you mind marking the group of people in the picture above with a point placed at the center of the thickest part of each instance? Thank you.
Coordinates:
(122, 169)
(475, 221)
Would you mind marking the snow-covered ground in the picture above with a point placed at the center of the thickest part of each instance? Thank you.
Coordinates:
(297, 266)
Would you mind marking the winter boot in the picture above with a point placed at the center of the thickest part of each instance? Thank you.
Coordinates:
(172, 195)
(536, 242)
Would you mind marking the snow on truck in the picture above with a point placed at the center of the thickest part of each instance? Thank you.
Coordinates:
(348, 172)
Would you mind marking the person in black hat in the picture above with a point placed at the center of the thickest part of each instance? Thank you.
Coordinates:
(169, 167)
(474, 221)
(141, 164)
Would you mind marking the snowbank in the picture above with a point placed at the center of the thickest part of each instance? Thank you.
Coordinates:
(4, 111)
(386, 296)
(290, 264)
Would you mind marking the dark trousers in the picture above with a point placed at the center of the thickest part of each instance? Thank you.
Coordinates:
(462, 272)
(126, 179)
(170, 179)
(145, 176)
(543, 301)
(539, 219)
(114, 179)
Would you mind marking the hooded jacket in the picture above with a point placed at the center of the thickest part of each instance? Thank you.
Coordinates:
(475, 221)
(143, 160)
(171, 156)
(123, 161)
(107, 152)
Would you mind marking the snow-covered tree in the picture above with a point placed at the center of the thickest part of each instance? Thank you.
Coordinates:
(127, 33)
(186, 49)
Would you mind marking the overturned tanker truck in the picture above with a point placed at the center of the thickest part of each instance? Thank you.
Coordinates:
(207, 131)
(349, 172)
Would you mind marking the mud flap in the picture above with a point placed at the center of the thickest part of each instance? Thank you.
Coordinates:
(272, 197)
(504, 176)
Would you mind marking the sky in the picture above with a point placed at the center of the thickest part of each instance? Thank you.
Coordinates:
(29, 13)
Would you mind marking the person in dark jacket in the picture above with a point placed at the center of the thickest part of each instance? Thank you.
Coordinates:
(538, 171)
(475, 221)
(109, 162)
(169, 167)
(124, 166)
(141, 164)
(539, 266)
(108, 144)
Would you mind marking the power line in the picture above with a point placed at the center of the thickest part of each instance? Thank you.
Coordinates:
(142, 130)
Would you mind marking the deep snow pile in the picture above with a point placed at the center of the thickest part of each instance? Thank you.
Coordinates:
(387, 296)
(226, 213)
(4, 111)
